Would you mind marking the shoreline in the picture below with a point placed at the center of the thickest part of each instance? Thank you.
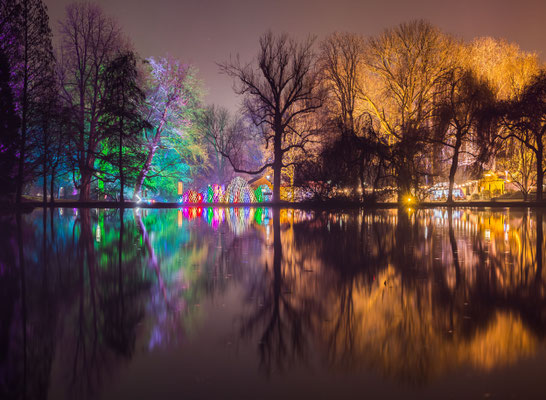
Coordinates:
(329, 205)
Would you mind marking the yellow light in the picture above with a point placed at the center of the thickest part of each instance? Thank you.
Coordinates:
(409, 199)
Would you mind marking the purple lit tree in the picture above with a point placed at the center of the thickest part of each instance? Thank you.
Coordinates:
(173, 95)
(26, 25)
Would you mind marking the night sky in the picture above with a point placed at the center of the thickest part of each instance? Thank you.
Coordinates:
(207, 31)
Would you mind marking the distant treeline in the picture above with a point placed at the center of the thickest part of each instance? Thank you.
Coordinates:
(350, 116)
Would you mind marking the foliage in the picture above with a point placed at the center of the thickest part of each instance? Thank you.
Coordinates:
(123, 121)
(173, 98)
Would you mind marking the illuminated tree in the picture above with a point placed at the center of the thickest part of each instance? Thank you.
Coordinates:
(25, 25)
(520, 164)
(342, 60)
(173, 95)
(214, 126)
(224, 134)
(462, 100)
(507, 70)
(90, 40)
(50, 139)
(404, 67)
(123, 102)
(525, 119)
(279, 91)
(505, 67)
(354, 145)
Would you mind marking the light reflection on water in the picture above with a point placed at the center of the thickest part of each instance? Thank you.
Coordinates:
(255, 302)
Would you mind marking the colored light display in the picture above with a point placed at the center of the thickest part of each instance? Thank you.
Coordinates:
(262, 193)
(239, 191)
(259, 195)
(191, 196)
(215, 193)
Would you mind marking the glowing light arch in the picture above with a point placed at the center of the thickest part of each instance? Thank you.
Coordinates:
(239, 191)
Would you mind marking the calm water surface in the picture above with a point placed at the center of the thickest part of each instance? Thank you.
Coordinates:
(262, 304)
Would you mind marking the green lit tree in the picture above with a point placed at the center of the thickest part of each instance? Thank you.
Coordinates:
(123, 122)
(173, 96)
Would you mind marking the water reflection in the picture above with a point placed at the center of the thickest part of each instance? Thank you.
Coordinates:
(410, 296)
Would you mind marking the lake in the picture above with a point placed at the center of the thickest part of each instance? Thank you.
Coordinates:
(258, 303)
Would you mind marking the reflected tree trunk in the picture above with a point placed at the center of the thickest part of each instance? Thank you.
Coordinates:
(120, 260)
(540, 241)
(88, 249)
(23, 299)
(153, 261)
(454, 250)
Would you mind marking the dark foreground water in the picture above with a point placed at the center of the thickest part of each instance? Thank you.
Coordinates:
(262, 304)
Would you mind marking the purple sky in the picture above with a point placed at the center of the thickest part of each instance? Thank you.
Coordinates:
(207, 31)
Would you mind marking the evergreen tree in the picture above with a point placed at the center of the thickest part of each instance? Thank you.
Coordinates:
(31, 61)
(123, 123)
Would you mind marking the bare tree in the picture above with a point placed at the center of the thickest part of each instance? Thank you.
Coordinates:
(281, 89)
(342, 60)
(343, 66)
(90, 40)
(218, 130)
(404, 68)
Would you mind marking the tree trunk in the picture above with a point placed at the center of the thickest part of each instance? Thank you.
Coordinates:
(120, 155)
(540, 170)
(52, 184)
(44, 170)
(540, 240)
(44, 190)
(361, 179)
(404, 184)
(146, 168)
(277, 256)
(23, 306)
(454, 250)
(453, 169)
(277, 165)
(85, 185)
(23, 142)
